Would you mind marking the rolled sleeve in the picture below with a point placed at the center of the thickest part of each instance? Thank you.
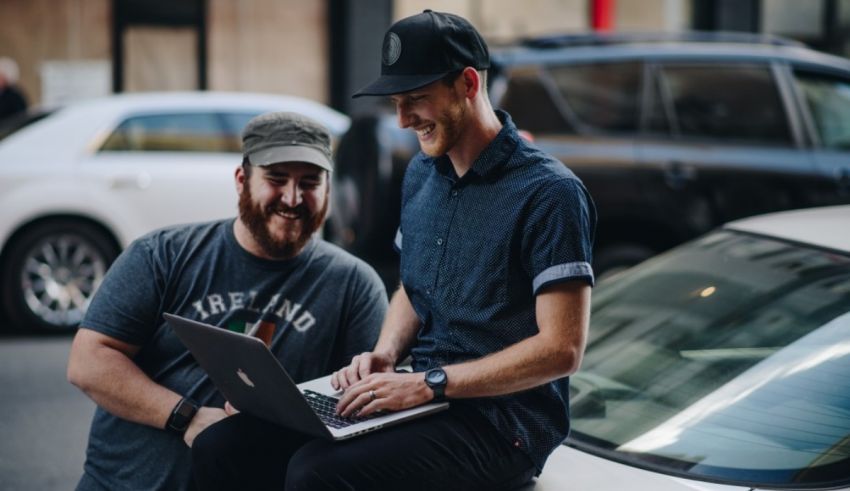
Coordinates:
(563, 272)
(559, 234)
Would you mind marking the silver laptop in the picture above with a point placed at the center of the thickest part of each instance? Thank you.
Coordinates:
(252, 379)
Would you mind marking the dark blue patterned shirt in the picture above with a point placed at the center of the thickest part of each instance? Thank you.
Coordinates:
(476, 250)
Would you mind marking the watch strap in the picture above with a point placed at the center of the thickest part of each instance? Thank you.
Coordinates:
(181, 416)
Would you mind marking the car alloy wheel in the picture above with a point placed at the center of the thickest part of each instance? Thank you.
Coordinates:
(59, 277)
(52, 272)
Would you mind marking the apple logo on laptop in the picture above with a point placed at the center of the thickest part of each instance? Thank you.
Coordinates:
(244, 377)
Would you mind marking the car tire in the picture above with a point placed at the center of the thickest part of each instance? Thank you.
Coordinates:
(613, 259)
(50, 272)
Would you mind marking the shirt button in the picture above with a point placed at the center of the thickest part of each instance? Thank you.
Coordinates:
(454, 193)
(428, 292)
(439, 241)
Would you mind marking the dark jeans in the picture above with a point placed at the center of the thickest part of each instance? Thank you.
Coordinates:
(455, 449)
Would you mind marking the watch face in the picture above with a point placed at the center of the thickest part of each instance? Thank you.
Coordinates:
(436, 377)
(186, 410)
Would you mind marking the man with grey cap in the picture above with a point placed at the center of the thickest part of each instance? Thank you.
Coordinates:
(264, 272)
(495, 240)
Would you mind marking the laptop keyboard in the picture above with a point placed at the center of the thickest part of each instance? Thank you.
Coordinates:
(325, 407)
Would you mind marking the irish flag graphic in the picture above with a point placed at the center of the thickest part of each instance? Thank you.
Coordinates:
(263, 330)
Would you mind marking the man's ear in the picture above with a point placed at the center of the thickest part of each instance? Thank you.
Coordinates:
(471, 82)
(240, 179)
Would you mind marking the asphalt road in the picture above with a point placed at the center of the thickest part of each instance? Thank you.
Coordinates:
(44, 420)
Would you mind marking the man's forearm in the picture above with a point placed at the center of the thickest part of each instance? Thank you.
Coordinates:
(563, 316)
(524, 365)
(113, 381)
(400, 327)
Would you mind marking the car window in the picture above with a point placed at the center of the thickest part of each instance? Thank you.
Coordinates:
(739, 103)
(603, 96)
(659, 110)
(177, 132)
(235, 122)
(828, 99)
(725, 359)
(532, 104)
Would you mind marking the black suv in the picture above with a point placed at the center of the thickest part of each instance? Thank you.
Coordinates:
(672, 135)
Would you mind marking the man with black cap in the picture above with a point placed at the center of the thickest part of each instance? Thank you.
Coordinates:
(264, 272)
(495, 242)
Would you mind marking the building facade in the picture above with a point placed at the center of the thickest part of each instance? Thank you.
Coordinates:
(323, 49)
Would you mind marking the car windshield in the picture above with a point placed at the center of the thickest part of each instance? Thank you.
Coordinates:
(726, 359)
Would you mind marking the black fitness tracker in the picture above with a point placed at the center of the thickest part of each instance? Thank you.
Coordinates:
(181, 416)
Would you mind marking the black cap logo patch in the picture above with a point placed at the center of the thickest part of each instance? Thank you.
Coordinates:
(392, 48)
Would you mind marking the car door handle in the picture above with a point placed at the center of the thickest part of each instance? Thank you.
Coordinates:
(677, 174)
(142, 180)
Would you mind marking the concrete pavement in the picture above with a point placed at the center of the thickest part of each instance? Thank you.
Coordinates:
(44, 420)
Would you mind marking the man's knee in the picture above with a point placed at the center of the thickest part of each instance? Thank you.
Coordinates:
(218, 442)
(208, 448)
(325, 466)
(306, 472)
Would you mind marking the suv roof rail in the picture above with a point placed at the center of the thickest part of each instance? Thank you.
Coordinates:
(595, 39)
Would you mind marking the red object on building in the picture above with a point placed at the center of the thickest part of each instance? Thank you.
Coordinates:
(602, 14)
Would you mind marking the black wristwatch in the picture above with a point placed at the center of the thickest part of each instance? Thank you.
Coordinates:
(436, 379)
(181, 416)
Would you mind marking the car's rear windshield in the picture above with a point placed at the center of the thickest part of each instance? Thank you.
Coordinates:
(727, 359)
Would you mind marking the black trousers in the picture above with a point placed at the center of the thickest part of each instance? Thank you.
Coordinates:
(455, 449)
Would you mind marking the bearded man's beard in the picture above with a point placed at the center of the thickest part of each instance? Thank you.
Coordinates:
(256, 219)
(449, 127)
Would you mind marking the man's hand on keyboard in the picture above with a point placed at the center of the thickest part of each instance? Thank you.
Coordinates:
(386, 391)
(360, 367)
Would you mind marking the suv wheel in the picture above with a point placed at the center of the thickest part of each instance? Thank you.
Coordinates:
(51, 271)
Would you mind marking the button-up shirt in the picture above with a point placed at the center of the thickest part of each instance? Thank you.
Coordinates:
(475, 252)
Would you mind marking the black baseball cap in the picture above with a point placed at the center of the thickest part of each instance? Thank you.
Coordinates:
(277, 137)
(423, 48)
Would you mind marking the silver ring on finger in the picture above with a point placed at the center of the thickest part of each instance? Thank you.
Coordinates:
(372, 395)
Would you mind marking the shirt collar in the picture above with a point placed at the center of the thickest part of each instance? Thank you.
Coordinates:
(497, 153)
(494, 155)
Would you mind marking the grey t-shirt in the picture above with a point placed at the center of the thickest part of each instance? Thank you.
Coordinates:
(325, 306)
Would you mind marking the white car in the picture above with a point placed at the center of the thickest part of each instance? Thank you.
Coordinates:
(721, 365)
(79, 185)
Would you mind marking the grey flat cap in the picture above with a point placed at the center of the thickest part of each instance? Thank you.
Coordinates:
(273, 138)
